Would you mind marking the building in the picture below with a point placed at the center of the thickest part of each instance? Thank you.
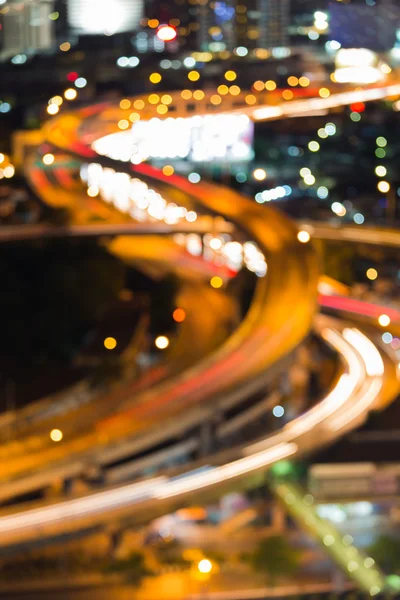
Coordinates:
(27, 27)
(361, 25)
(98, 17)
(264, 24)
(228, 24)
(216, 25)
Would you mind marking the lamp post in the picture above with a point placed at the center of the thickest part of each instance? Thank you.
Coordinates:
(205, 567)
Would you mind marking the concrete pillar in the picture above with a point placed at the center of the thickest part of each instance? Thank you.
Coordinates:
(278, 517)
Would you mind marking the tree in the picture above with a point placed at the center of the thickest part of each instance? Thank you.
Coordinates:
(386, 553)
(274, 557)
(133, 568)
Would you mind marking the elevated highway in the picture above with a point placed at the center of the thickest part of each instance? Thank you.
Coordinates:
(280, 316)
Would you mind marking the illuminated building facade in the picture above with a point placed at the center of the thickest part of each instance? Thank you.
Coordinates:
(97, 17)
(228, 24)
(216, 20)
(27, 27)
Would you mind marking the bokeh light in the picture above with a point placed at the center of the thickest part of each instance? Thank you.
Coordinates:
(70, 94)
(48, 159)
(168, 170)
(193, 75)
(161, 342)
(179, 315)
(384, 187)
(198, 94)
(155, 78)
(204, 566)
(125, 104)
(110, 343)
(56, 435)
(216, 282)
(259, 174)
(303, 237)
(372, 274)
(165, 33)
(270, 85)
(230, 75)
(53, 109)
(381, 171)
(384, 320)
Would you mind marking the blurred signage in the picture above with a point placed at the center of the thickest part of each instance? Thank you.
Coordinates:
(200, 139)
(107, 17)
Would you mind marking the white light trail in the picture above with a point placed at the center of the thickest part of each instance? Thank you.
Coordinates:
(228, 471)
(313, 105)
(369, 352)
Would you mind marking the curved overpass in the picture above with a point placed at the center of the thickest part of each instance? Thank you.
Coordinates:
(265, 336)
(263, 339)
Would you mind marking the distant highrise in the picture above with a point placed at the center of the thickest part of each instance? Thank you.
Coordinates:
(361, 25)
(225, 25)
(27, 27)
(108, 17)
(274, 23)
(216, 30)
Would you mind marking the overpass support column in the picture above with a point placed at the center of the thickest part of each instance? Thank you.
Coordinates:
(278, 517)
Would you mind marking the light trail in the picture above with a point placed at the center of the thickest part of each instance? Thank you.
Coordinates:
(79, 507)
(352, 397)
(369, 352)
(340, 397)
(217, 475)
(315, 105)
(359, 307)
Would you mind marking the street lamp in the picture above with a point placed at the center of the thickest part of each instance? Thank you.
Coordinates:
(204, 566)
(161, 342)
(56, 435)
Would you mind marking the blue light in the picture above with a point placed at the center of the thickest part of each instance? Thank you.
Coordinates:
(322, 192)
(133, 61)
(165, 64)
(223, 11)
(387, 337)
(278, 411)
(194, 177)
(81, 82)
(123, 61)
(241, 51)
(293, 151)
(19, 59)
(189, 62)
(288, 190)
(359, 218)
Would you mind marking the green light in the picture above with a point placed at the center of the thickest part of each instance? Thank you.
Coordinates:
(380, 153)
(54, 16)
(393, 581)
(355, 116)
(381, 141)
(282, 468)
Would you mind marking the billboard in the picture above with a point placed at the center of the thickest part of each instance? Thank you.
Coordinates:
(210, 138)
(96, 17)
